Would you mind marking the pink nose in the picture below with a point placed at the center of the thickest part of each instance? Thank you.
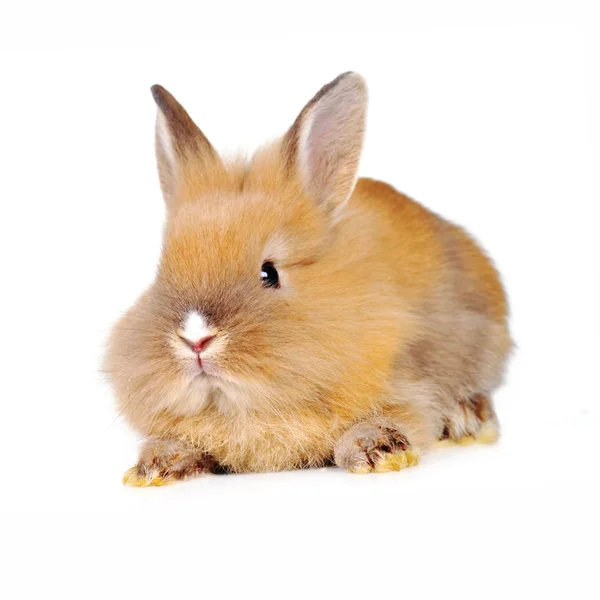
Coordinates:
(200, 345)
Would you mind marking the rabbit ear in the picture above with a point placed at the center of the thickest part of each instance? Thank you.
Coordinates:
(325, 142)
(180, 145)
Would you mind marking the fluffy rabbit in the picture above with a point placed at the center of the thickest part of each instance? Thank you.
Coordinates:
(300, 317)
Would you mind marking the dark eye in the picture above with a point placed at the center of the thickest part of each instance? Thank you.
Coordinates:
(269, 275)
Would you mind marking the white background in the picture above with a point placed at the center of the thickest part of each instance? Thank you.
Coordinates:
(487, 112)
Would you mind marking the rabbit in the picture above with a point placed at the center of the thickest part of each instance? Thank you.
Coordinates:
(302, 317)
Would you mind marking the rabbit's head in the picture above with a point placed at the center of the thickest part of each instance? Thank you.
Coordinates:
(253, 302)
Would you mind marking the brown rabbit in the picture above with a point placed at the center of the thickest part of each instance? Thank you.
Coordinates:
(300, 317)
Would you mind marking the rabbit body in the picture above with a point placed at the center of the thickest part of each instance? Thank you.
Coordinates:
(378, 327)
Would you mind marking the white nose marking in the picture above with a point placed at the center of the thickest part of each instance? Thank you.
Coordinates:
(195, 328)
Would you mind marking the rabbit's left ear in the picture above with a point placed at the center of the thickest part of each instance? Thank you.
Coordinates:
(324, 144)
(183, 153)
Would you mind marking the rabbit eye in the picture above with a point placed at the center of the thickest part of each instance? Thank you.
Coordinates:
(269, 275)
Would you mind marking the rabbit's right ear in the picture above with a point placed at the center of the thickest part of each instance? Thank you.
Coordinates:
(182, 150)
(323, 145)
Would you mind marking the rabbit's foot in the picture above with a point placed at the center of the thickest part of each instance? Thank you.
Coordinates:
(471, 422)
(375, 446)
(163, 462)
(487, 433)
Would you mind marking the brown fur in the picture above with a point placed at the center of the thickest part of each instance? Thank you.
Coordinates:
(363, 446)
(385, 310)
(172, 459)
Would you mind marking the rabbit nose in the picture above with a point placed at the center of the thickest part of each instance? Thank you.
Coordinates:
(201, 344)
(195, 332)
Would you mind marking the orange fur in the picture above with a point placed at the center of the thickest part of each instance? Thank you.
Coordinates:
(384, 308)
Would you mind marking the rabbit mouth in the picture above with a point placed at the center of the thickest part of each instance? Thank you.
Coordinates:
(201, 370)
(205, 368)
(198, 358)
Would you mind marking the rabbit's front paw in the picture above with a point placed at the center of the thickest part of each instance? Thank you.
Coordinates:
(163, 462)
(374, 446)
